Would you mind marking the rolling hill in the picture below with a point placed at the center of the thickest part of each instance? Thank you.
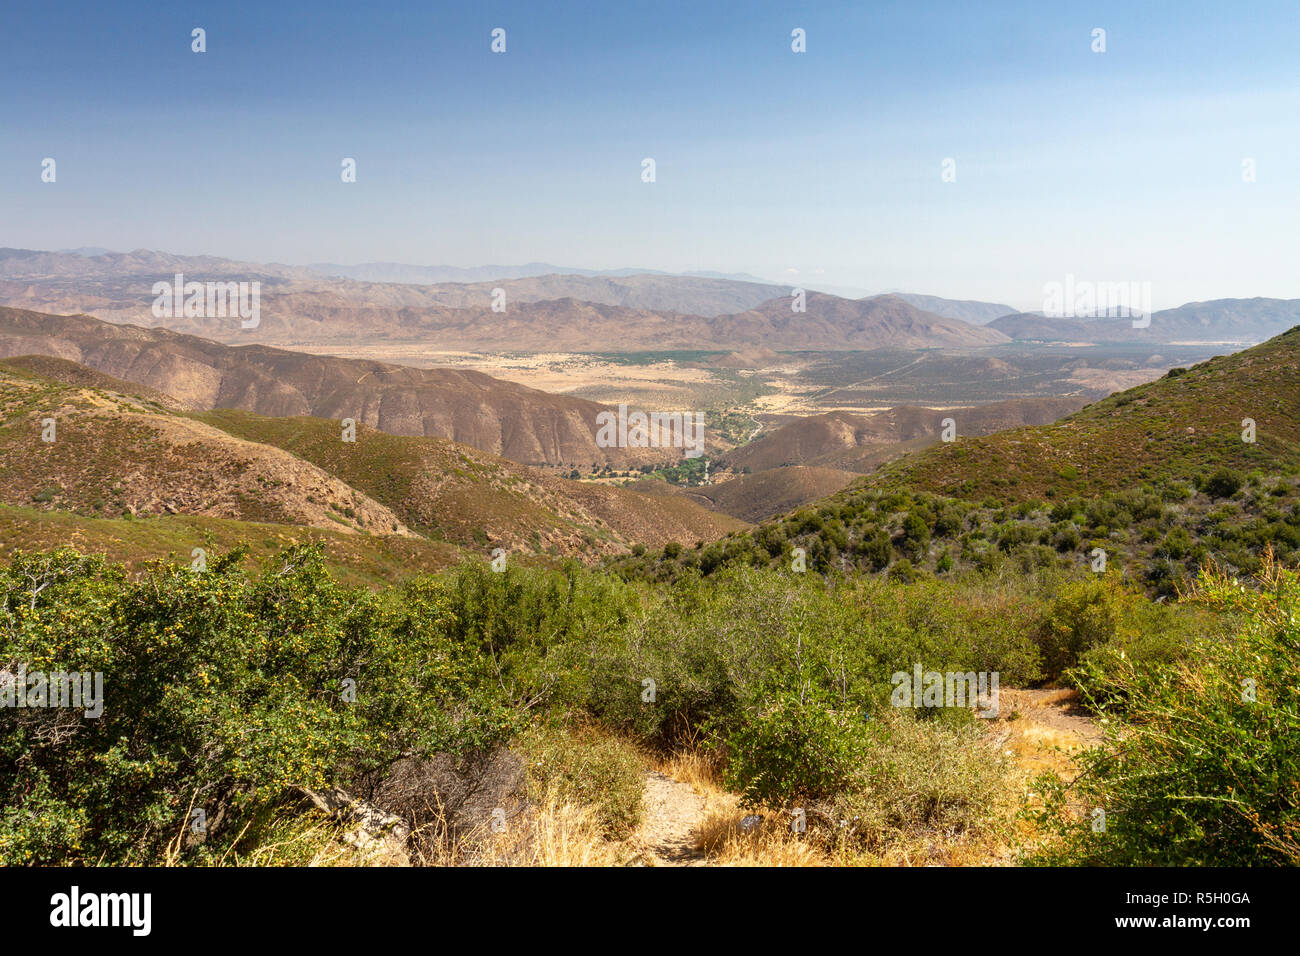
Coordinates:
(1157, 481)
(358, 559)
(451, 492)
(121, 456)
(114, 455)
(1182, 425)
(859, 443)
(830, 322)
(520, 423)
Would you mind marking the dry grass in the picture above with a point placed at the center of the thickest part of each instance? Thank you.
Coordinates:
(551, 833)
(1036, 749)
(1047, 736)
(311, 839)
(772, 843)
(1041, 734)
(318, 844)
(694, 767)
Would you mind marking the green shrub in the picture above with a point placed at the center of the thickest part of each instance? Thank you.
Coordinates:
(1099, 611)
(1066, 537)
(222, 691)
(924, 777)
(793, 750)
(903, 572)
(1200, 768)
(877, 549)
(916, 535)
(772, 539)
(1224, 483)
(949, 523)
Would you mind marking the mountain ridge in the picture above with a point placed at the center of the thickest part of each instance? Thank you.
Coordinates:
(520, 423)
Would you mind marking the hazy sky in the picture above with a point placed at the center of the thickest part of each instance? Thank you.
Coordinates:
(819, 167)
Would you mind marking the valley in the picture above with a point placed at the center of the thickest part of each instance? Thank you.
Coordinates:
(878, 485)
(570, 435)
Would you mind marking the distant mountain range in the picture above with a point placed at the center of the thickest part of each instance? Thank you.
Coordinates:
(429, 275)
(582, 310)
(541, 313)
(35, 264)
(1230, 321)
(88, 251)
(967, 310)
(689, 295)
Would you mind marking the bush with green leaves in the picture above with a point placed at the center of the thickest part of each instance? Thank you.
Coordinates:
(523, 618)
(794, 749)
(710, 645)
(877, 549)
(1099, 615)
(222, 691)
(863, 530)
(868, 778)
(1223, 483)
(225, 688)
(1201, 764)
(916, 535)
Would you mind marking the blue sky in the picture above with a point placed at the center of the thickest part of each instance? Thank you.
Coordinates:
(821, 168)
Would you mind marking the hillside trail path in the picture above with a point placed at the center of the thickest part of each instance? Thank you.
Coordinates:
(1054, 709)
(1041, 729)
(668, 833)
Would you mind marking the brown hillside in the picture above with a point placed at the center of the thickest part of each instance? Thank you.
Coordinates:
(114, 456)
(859, 443)
(834, 323)
(520, 423)
(72, 373)
(456, 493)
(764, 495)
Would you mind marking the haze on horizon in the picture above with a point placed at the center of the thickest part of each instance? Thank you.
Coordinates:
(820, 168)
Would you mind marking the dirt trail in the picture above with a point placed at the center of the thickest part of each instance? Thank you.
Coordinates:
(1057, 709)
(1040, 730)
(673, 812)
(1043, 729)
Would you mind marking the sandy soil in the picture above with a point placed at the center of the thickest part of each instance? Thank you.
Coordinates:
(673, 812)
